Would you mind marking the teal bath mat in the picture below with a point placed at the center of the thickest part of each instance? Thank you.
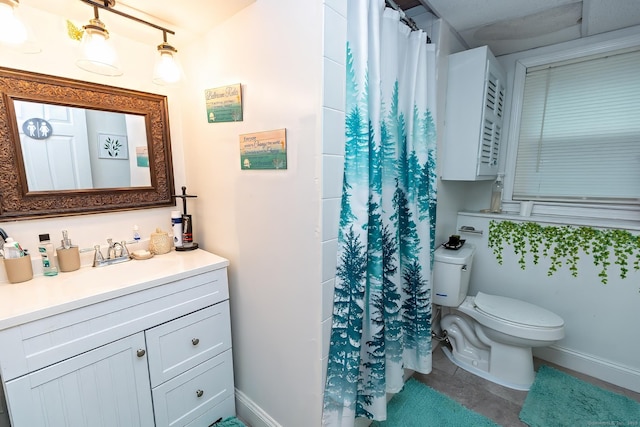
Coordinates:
(230, 422)
(418, 405)
(558, 399)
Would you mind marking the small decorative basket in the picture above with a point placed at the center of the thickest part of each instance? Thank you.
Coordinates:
(160, 242)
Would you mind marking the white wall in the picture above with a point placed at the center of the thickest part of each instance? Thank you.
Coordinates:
(334, 83)
(267, 223)
(107, 173)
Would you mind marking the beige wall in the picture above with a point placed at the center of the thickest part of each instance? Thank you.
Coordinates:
(267, 223)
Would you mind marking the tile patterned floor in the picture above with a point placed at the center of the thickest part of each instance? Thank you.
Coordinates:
(499, 403)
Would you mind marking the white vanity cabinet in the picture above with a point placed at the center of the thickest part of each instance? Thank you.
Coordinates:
(143, 343)
(474, 116)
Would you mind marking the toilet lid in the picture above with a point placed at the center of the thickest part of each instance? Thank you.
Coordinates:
(517, 311)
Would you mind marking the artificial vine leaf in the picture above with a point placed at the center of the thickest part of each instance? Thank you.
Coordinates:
(563, 245)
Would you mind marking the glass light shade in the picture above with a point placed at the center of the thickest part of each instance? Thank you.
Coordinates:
(167, 69)
(12, 30)
(97, 54)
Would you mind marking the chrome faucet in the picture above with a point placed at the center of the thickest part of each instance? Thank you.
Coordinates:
(116, 253)
(111, 254)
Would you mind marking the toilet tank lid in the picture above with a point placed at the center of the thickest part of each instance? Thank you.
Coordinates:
(517, 311)
(459, 256)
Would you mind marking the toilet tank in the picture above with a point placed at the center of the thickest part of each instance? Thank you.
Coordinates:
(451, 272)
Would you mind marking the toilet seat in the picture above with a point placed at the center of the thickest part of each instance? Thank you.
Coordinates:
(514, 317)
(517, 311)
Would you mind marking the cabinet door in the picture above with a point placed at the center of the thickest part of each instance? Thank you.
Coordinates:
(492, 119)
(107, 386)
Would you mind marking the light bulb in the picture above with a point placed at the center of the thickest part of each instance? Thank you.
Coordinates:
(167, 70)
(97, 55)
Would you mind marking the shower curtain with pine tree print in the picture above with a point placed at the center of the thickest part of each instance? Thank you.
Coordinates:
(382, 297)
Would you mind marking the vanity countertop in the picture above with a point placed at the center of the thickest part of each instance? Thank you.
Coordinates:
(44, 296)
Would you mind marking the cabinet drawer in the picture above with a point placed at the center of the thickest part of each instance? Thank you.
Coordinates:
(198, 397)
(179, 345)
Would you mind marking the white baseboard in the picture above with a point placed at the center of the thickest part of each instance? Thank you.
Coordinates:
(605, 370)
(252, 414)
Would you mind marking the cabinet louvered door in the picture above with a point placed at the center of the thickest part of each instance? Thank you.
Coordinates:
(491, 132)
(108, 386)
(489, 148)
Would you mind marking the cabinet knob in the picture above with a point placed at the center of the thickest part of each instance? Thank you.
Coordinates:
(199, 393)
(140, 352)
(195, 341)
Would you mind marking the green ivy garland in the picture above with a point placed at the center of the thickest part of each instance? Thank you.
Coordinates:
(562, 245)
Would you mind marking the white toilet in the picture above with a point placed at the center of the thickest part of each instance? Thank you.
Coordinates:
(491, 336)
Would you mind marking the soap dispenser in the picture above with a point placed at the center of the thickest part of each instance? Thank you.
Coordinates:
(68, 254)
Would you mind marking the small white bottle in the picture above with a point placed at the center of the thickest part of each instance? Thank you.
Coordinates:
(136, 233)
(45, 248)
(176, 226)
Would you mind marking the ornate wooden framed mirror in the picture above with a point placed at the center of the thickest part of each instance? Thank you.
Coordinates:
(73, 147)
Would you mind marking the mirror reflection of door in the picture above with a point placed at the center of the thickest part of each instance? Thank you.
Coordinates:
(61, 161)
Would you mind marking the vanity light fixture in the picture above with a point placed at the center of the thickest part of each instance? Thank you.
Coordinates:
(167, 69)
(13, 32)
(98, 56)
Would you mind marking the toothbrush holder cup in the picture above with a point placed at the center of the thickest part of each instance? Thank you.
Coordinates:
(18, 269)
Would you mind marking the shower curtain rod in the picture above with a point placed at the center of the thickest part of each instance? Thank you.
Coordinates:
(404, 18)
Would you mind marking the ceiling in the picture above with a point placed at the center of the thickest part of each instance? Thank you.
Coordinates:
(198, 16)
(505, 25)
(518, 25)
(188, 18)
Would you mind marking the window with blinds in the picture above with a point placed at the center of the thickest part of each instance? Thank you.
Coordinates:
(580, 131)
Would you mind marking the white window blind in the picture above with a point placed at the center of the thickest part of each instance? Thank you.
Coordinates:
(580, 132)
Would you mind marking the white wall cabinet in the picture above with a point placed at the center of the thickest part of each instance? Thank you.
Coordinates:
(473, 116)
(157, 354)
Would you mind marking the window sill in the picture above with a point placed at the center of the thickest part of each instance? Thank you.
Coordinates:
(631, 225)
